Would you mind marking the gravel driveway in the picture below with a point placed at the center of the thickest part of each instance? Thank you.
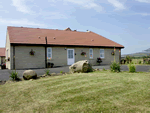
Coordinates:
(4, 74)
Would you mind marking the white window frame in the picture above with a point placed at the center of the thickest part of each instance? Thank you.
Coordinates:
(102, 53)
(90, 53)
(49, 52)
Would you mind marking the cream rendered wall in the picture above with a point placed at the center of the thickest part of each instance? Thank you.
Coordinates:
(9, 51)
(59, 55)
(24, 60)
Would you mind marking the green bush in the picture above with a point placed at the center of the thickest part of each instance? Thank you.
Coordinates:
(61, 71)
(104, 69)
(140, 62)
(147, 62)
(14, 75)
(128, 59)
(47, 72)
(90, 69)
(132, 68)
(115, 67)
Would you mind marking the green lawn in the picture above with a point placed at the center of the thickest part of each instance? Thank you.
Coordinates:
(82, 92)
(137, 61)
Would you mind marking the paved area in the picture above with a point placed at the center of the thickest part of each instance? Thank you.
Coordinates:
(4, 74)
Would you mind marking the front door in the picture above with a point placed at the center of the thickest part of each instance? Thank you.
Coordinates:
(70, 56)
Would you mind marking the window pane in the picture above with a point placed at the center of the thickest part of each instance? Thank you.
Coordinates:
(91, 55)
(70, 53)
(49, 55)
(101, 51)
(49, 49)
(91, 51)
(101, 55)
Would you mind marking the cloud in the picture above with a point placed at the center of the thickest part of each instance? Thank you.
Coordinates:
(116, 4)
(143, 14)
(149, 28)
(145, 1)
(21, 6)
(21, 22)
(52, 15)
(88, 4)
(1, 5)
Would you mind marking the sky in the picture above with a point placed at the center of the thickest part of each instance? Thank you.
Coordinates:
(126, 22)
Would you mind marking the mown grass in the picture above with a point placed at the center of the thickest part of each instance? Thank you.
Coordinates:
(82, 92)
(137, 61)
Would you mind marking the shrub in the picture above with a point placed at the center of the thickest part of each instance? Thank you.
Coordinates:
(104, 69)
(140, 62)
(61, 71)
(147, 62)
(14, 75)
(115, 67)
(99, 60)
(132, 68)
(90, 69)
(47, 72)
(128, 59)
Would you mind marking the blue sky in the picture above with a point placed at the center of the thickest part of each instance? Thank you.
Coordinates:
(126, 22)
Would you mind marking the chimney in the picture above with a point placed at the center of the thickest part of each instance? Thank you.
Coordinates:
(75, 30)
(67, 29)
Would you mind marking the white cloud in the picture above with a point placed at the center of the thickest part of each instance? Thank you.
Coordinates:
(52, 15)
(21, 6)
(21, 22)
(88, 4)
(145, 1)
(149, 28)
(143, 14)
(116, 4)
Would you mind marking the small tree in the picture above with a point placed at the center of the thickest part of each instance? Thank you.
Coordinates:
(128, 59)
(132, 68)
(99, 60)
(115, 67)
(14, 75)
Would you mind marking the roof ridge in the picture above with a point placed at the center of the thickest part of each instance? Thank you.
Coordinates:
(48, 29)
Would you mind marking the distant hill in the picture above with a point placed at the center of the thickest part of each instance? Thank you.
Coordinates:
(138, 54)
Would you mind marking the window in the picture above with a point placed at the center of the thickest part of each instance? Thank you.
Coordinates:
(49, 52)
(91, 53)
(70, 53)
(101, 53)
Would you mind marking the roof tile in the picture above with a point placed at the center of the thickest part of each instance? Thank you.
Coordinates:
(2, 51)
(62, 37)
